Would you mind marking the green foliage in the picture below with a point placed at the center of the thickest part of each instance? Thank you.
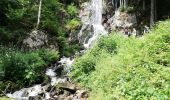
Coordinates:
(63, 46)
(72, 10)
(108, 44)
(59, 19)
(128, 9)
(18, 17)
(139, 69)
(85, 65)
(24, 69)
(73, 24)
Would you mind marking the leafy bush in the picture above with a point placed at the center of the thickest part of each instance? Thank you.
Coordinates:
(108, 44)
(72, 10)
(26, 68)
(139, 69)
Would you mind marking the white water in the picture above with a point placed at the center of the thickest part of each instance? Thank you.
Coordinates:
(67, 62)
(25, 93)
(95, 21)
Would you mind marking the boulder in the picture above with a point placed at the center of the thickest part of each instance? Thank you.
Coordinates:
(35, 39)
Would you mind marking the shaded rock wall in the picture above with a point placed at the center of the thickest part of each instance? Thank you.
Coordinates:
(37, 39)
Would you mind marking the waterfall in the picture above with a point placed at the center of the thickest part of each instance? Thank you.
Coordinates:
(94, 23)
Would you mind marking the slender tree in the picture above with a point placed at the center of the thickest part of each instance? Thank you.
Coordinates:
(155, 11)
(116, 4)
(125, 4)
(39, 13)
(152, 16)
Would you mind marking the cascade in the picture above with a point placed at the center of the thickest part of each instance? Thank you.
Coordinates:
(95, 22)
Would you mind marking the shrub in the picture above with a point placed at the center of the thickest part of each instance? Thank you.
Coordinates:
(108, 44)
(26, 68)
(72, 10)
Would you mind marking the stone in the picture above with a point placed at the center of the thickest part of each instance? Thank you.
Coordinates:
(47, 87)
(35, 98)
(81, 93)
(68, 87)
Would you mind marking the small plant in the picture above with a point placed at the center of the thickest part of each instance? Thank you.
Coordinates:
(72, 10)
(72, 24)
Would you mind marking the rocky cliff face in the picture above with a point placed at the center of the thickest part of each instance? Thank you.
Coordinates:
(122, 20)
(37, 39)
(115, 19)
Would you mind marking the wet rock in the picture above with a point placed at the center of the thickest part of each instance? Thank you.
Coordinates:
(108, 8)
(35, 98)
(56, 97)
(66, 93)
(68, 87)
(70, 97)
(58, 69)
(81, 93)
(53, 93)
(47, 87)
(61, 97)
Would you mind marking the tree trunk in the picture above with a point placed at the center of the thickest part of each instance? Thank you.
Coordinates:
(144, 5)
(116, 5)
(39, 14)
(152, 19)
(120, 3)
(124, 3)
(113, 3)
(155, 11)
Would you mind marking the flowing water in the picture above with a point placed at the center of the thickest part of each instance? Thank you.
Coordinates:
(94, 21)
(91, 18)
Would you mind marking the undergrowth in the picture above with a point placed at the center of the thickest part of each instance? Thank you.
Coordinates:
(124, 68)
